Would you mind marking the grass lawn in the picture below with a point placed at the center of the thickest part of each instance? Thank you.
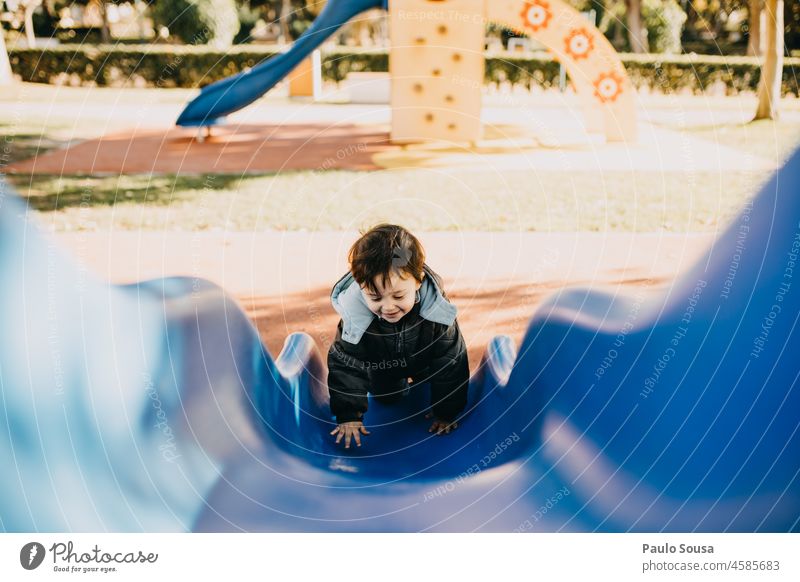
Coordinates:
(541, 201)
(767, 139)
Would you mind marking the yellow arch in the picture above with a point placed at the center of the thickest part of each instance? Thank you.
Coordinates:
(594, 66)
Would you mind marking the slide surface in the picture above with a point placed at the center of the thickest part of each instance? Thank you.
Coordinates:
(155, 407)
(229, 95)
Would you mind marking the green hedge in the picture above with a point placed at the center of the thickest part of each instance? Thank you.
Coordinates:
(699, 72)
(189, 66)
(131, 65)
(667, 74)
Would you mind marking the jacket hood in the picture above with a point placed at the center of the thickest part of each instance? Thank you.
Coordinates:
(349, 303)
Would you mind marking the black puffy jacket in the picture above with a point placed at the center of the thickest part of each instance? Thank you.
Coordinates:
(412, 347)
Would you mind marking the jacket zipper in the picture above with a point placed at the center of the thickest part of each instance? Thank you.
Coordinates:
(399, 340)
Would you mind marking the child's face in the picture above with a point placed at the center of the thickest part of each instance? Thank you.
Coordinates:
(395, 300)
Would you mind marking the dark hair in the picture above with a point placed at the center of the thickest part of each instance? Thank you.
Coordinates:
(384, 249)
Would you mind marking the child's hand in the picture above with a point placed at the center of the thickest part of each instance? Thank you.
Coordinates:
(350, 430)
(441, 426)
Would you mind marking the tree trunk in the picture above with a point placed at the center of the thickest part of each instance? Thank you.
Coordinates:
(140, 17)
(599, 7)
(29, 33)
(754, 26)
(283, 20)
(6, 78)
(105, 30)
(637, 35)
(769, 86)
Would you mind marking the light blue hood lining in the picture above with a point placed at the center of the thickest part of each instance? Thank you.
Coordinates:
(349, 303)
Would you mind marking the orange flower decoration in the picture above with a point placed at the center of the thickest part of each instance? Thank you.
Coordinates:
(536, 15)
(607, 87)
(579, 43)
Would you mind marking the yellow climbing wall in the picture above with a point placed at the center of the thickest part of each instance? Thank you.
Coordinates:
(437, 69)
(306, 79)
(301, 79)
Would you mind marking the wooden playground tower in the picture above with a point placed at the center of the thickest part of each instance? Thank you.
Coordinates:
(437, 65)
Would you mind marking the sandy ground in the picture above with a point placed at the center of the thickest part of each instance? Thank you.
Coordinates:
(497, 280)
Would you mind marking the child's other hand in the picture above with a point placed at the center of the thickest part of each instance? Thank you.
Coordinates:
(441, 426)
(348, 430)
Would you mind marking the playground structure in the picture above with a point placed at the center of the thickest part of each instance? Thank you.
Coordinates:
(437, 66)
(306, 79)
(155, 407)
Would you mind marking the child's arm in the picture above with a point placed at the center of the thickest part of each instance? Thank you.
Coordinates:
(348, 380)
(449, 369)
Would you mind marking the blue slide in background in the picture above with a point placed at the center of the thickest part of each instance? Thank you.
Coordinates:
(229, 95)
(155, 407)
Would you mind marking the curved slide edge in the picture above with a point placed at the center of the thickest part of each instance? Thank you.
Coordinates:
(105, 421)
(298, 413)
(229, 95)
(679, 410)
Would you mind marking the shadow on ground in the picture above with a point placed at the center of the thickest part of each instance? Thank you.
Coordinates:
(482, 314)
(98, 191)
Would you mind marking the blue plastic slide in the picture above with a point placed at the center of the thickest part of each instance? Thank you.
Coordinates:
(155, 407)
(229, 95)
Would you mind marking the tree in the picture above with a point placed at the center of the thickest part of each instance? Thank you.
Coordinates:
(105, 29)
(637, 35)
(663, 21)
(599, 7)
(27, 7)
(212, 22)
(102, 10)
(6, 77)
(284, 14)
(30, 7)
(769, 86)
(791, 22)
(754, 28)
